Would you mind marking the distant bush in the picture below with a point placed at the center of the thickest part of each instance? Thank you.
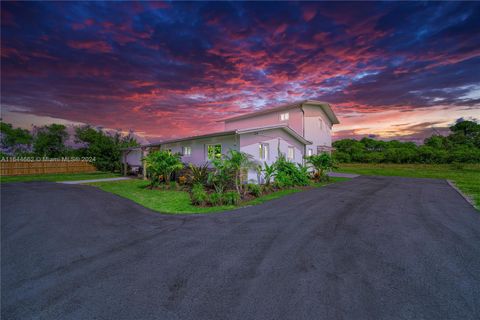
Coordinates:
(462, 145)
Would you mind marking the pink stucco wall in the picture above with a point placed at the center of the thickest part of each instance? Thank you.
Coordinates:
(295, 120)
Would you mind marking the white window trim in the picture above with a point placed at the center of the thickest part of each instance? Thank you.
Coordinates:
(184, 149)
(309, 152)
(262, 155)
(285, 116)
(293, 153)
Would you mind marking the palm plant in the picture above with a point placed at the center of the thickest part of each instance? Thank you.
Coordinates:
(199, 174)
(238, 162)
(221, 175)
(162, 164)
(269, 171)
(321, 163)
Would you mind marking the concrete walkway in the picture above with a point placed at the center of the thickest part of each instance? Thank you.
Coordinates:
(94, 180)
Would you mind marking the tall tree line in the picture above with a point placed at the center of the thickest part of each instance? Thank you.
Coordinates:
(461, 145)
(50, 141)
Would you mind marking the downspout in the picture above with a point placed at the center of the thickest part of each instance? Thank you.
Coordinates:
(303, 134)
(144, 154)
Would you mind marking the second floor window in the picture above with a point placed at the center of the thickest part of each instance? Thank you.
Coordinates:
(214, 151)
(284, 116)
(264, 151)
(187, 151)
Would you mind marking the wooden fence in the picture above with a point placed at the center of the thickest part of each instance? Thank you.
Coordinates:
(17, 168)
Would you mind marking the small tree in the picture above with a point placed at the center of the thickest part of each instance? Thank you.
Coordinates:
(238, 162)
(162, 164)
(221, 175)
(50, 141)
(105, 147)
(321, 163)
(269, 171)
(14, 141)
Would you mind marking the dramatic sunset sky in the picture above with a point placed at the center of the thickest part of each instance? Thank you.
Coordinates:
(390, 69)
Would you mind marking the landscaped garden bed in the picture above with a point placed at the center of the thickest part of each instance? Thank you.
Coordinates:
(222, 186)
(179, 202)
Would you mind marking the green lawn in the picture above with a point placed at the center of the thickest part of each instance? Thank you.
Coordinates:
(466, 177)
(59, 177)
(176, 202)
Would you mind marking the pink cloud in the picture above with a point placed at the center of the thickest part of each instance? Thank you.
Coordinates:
(91, 46)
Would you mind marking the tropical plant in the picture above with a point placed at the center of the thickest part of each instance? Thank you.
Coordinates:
(199, 196)
(199, 174)
(238, 162)
(162, 164)
(231, 198)
(182, 180)
(173, 185)
(289, 174)
(221, 176)
(269, 172)
(254, 189)
(321, 164)
(215, 199)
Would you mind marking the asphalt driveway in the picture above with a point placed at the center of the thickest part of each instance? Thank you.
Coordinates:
(370, 248)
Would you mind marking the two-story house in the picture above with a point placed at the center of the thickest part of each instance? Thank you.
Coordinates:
(296, 130)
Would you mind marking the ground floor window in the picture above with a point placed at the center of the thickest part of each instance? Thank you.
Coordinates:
(309, 152)
(214, 151)
(187, 151)
(264, 151)
(291, 153)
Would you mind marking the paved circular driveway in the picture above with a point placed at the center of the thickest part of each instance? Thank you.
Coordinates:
(370, 248)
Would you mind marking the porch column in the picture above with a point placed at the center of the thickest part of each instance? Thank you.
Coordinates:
(124, 153)
(125, 164)
(144, 154)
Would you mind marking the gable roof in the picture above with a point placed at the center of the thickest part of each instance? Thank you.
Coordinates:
(210, 135)
(324, 105)
(284, 127)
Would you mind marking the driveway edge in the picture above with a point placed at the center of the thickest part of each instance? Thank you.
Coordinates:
(467, 198)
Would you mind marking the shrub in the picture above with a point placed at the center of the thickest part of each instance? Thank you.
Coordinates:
(222, 175)
(269, 171)
(215, 199)
(321, 163)
(231, 198)
(198, 196)
(340, 156)
(199, 174)
(289, 174)
(182, 180)
(236, 163)
(254, 189)
(173, 185)
(161, 164)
